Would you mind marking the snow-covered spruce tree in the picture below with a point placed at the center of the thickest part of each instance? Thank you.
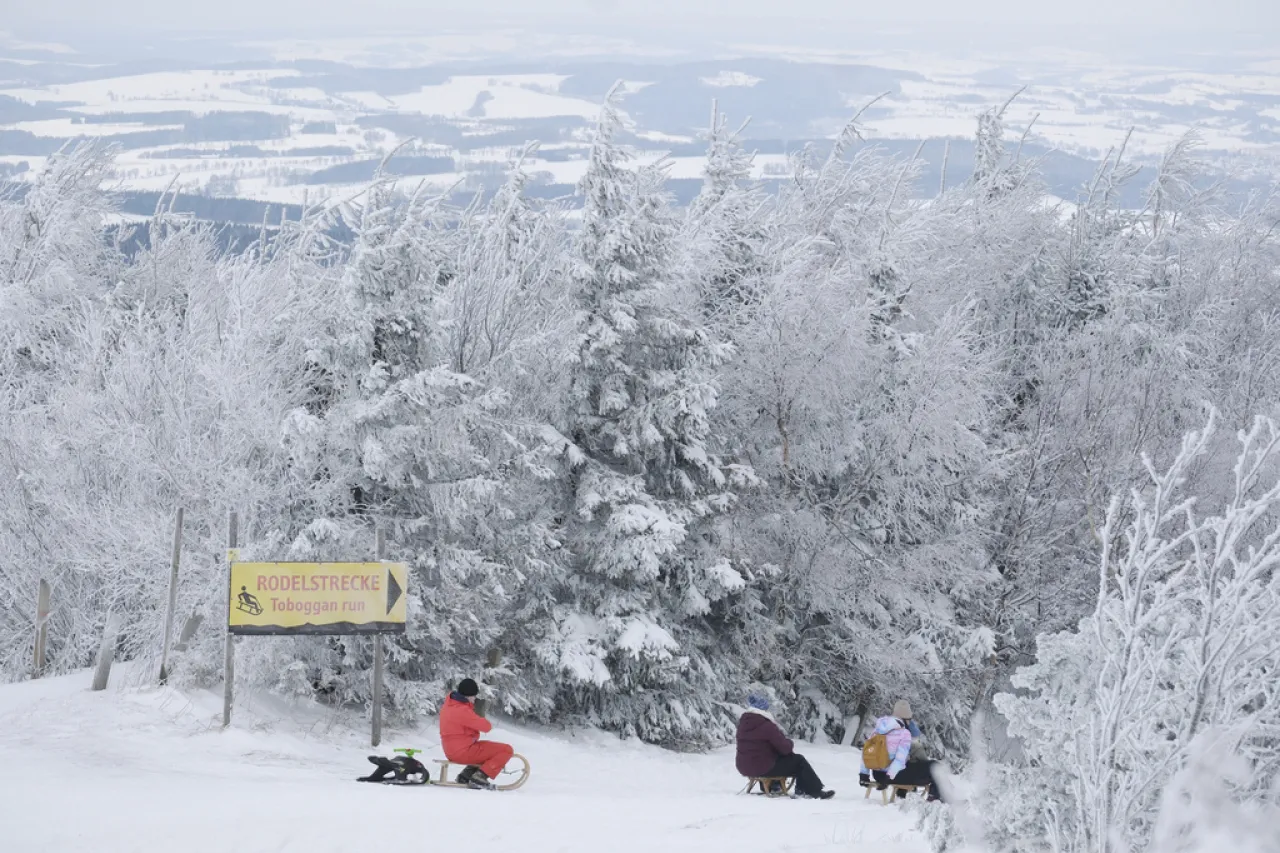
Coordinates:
(507, 321)
(646, 607)
(994, 173)
(393, 436)
(723, 238)
(1176, 661)
(1093, 260)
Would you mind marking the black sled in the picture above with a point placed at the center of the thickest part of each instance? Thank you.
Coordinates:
(401, 770)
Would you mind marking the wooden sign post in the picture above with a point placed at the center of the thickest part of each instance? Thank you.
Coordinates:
(291, 598)
(380, 550)
(173, 597)
(229, 652)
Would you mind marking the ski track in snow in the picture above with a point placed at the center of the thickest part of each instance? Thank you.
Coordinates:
(151, 770)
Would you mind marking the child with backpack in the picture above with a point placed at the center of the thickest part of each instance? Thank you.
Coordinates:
(886, 755)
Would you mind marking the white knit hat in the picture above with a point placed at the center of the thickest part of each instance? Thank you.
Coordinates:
(902, 709)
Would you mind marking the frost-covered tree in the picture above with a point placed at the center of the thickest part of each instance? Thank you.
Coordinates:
(647, 589)
(54, 264)
(1117, 356)
(1177, 658)
(162, 395)
(394, 436)
(851, 409)
(504, 304)
(55, 257)
(724, 231)
(994, 171)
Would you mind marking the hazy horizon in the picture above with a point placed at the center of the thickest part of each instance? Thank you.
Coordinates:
(1142, 26)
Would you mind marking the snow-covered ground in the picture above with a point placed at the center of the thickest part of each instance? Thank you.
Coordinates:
(146, 771)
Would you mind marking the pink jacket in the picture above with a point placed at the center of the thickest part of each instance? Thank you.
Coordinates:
(898, 739)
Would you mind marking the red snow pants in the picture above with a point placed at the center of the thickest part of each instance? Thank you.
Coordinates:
(489, 754)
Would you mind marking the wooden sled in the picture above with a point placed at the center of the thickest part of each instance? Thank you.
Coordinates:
(442, 775)
(891, 790)
(766, 784)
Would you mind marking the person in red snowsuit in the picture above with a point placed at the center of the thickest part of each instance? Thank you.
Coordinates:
(460, 730)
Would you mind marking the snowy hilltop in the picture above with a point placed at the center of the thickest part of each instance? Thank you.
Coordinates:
(1009, 458)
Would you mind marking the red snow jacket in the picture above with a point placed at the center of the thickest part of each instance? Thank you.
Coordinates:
(460, 726)
(760, 742)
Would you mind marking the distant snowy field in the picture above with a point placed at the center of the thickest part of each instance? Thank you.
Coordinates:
(1080, 103)
(151, 771)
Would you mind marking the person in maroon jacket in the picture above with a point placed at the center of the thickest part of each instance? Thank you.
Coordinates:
(763, 750)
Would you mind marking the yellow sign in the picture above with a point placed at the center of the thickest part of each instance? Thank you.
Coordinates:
(317, 598)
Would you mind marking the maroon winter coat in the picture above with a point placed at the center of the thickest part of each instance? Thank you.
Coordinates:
(760, 742)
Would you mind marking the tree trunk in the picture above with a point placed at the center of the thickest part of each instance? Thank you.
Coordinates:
(106, 652)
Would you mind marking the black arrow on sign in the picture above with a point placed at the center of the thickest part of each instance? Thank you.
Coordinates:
(393, 591)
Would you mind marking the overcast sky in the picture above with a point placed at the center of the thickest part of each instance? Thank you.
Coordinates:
(1134, 18)
(246, 14)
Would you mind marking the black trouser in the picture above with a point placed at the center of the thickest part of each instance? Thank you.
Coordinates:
(915, 773)
(807, 781)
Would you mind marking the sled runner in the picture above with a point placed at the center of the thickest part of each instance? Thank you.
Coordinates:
(443, 777)
(889, 789)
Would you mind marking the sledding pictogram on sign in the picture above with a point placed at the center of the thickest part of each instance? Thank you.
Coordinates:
(317, 598)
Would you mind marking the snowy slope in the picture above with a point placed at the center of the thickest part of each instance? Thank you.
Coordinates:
(151, 771)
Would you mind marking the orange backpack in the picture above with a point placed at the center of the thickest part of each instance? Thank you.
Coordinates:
(875, 753)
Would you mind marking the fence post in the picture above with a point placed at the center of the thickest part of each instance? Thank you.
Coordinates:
(173, 597)
(42, 626)
(229, 653)
(106, 652)
(380, 549)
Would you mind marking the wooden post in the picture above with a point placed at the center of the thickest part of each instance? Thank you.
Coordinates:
(173, 597)
(852, 724)
(189, 630)
(491, 662)
(229, 654)
(381, 552)
(42, 626)
(106, 652)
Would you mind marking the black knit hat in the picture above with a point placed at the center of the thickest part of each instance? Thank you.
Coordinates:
(467, 687)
